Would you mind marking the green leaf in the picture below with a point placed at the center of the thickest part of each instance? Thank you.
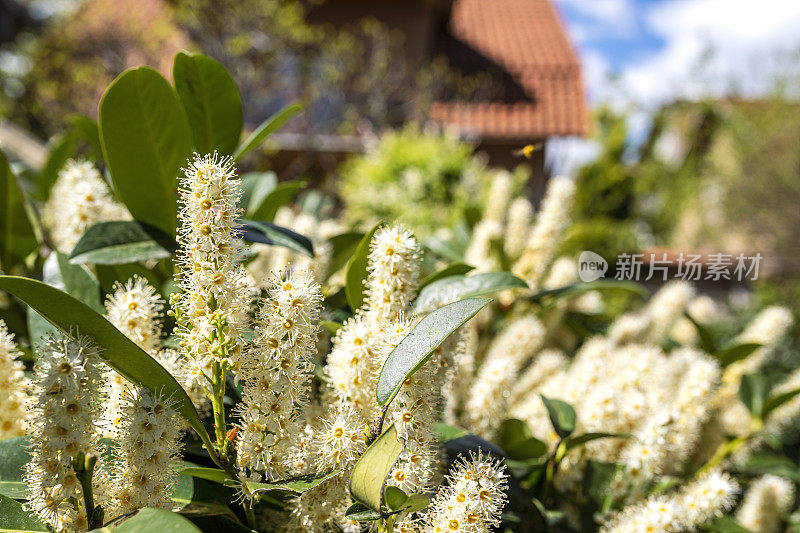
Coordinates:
(296, 485)
(356, 273)
(62, 148)
(416, 503)
(769, 463)
(265, 129)
(13, 489)
(13, 518)
(447, 432)
(331, 326)
(725, 524)
(255, 188)
(361, 513)
(120, 353)
(211, 100)
(455, 269)
(735, 353)
(580, 288)
(17, 233)
(416, 347)
(562, 416)
(86, 129)
(596, 479)
(395, 498)
(197, 495)
(269, 233)
(277, 198)
(149, 519)
(76, 281)
(707, 341)
(370, 471)
(209, 474)
(13, 457)
(146, 140)
(753, 393)
(120, 242)
(461, 287)
(577, 440)
(343, 246)
(516, 439)
(773, 402)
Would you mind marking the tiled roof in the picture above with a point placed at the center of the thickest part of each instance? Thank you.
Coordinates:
(525, 40)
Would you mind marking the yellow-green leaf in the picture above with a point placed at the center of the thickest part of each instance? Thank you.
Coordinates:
(369, 473)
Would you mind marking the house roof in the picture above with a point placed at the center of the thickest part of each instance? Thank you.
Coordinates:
(525, 42)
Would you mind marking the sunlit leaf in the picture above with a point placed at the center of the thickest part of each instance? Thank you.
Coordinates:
(369, 473)
(267, 127)
(562, 416)
(356, 273)
(120, 242)
(272, 234)
(454, 288)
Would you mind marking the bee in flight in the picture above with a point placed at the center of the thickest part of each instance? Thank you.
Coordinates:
(527, 151)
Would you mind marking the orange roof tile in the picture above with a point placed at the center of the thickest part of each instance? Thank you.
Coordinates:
(525, 39)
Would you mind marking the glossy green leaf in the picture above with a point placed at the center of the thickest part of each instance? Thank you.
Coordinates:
(732, 354)
(72, 316)
(395, 498)
(455, 269)
(562, 416)
(196, 495)
(369, 473)
(416, 347)
(17, 233)
(343, 246)
(297, 485)
(275, 199)
(209, 474)
(266, 128)
(753, 393)
(576, 440)
(255, 188)
(120, 242)
(146, 141)
(361, 513)
(775, 401)
(272, 234)
(76, 281)
(356, 273)
(13, 518)
(13, 489)
(576, 289)
(211, 100)
(13, 456)
(454, 288)
(516, 438)
(416, 503)
(150, 519)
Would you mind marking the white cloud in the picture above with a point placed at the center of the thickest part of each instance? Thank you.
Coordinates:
(599, 18)
(711, 46)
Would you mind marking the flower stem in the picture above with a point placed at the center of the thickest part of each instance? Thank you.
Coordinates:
(84, 470)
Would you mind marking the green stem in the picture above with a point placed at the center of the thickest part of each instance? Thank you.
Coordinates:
(251, 516)
(725, 449)
(84, 471)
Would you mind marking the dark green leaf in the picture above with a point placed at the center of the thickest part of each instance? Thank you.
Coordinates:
(149, 519)
(73, 316)
(146, 140)
(395, 498)
(356, 273)
(455, 288)
(753, 393)
(211, 100)
(735, 353)
(17, 233)
(62, 148)
(577, 440)
(769, 463)
(13, 489)
(265, 129)
(455, 269)
(370, 471)
(446, 432)
(210, 474)
(471, 443)
(269, 233)
(277, 198)
(562, 416)
(297, 485)
(13, 456)
(596, 480)
(516, 439)
(726, 524)
(416, 347)
(13, 518)
(120, 242)
(580, 288)
(707, 341)
(86, 129)
(361, 513)
(773, 402)
(343, 247)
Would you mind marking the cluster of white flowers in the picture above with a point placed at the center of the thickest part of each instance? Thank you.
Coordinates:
(277, 375)
(653, 323)
(62, 426)
(14, 386)
(766, 501)
(545, 236)
(271, 260)
(471, 501)
(149, 441)
(216, 294)
(490, 229)
(692, 505)
(520, 213)
(78, 199)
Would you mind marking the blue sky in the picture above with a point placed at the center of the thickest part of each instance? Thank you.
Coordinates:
(660, 49)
